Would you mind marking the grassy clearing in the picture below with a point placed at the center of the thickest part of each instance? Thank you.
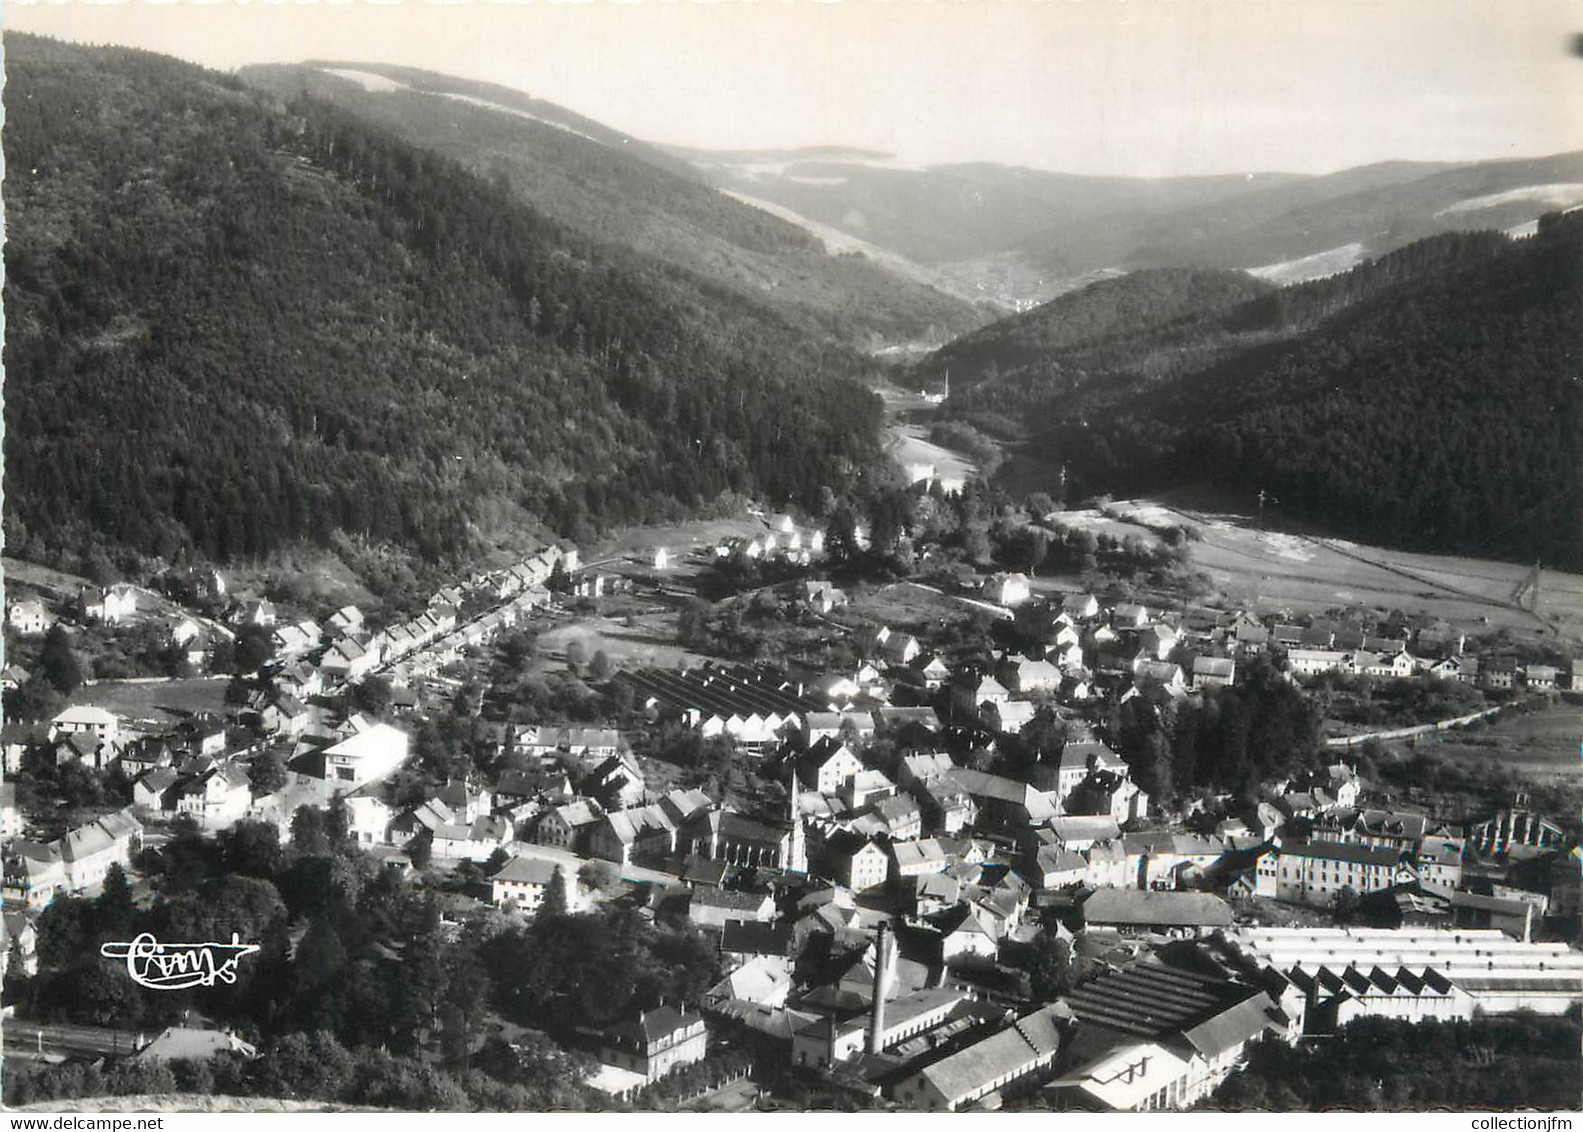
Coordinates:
(899, 605)
(1272, 571)
(909, 444)
(156, 703)
(29, 577)
(648, 641)
(1540, 746)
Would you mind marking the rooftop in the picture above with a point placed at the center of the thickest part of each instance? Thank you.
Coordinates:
(1137, 908)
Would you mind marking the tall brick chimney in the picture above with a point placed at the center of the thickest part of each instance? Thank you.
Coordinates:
(884, 970)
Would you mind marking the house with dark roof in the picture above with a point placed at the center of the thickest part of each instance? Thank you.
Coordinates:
(658, 1042)
(1315, 872)
(32, 873)
(745, 938)
(1000, 800)
(828, 765)
(702, 872)
(1513, 916)
(1213, 672)
(522, 882)
(713, 907)
(570, 826)
(741, 839)
(855, 860)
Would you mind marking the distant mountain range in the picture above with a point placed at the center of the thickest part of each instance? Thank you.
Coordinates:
(1019, 236)
(881, 251)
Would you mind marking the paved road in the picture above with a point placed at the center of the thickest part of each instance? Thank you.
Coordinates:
(70, 1039)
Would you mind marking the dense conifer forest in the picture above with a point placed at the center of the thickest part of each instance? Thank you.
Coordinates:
(1126, 305)
(1430, 399)
(235, 323)
(623, 192)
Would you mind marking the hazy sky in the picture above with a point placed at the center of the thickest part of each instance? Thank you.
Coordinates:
(1092, 86)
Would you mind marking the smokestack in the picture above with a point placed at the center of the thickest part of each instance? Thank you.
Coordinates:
(884, 963)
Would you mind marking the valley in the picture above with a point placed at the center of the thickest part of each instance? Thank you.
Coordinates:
(604, 625)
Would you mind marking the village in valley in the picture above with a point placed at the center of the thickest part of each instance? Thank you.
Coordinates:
(962, 806)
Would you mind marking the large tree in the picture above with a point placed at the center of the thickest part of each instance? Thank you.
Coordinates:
(58, 661)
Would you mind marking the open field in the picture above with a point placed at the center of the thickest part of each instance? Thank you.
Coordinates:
(22, 577)
(1541, 747)
(909, 444)
(1301, 573)
(650, 641)
(903, 604)
(156, 703)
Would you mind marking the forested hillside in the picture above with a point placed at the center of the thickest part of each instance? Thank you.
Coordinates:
(1128, 304)
(234, 323)
(1430, 399)
(601, 183)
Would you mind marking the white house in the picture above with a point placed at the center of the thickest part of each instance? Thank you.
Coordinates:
(1035, 675)
(87, 720)
(828, 766)
(1313, 873)
(185, 631)
(367, 819)
(1080, 606)
(368, 756)
(29, 618)
(1009, 589)
(522, 882)
(216, 799)
(110, 606)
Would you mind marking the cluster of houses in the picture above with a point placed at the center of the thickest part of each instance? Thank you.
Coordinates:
(864, 918)
(34, 872)
(342, 649)
(1089, 649)
(115, 606)
(352, 649)
(783, 541)
(194, 770)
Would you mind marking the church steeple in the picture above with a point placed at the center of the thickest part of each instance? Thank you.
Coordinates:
(797, 851)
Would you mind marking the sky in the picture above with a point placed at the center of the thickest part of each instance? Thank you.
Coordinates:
(1128, 87)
